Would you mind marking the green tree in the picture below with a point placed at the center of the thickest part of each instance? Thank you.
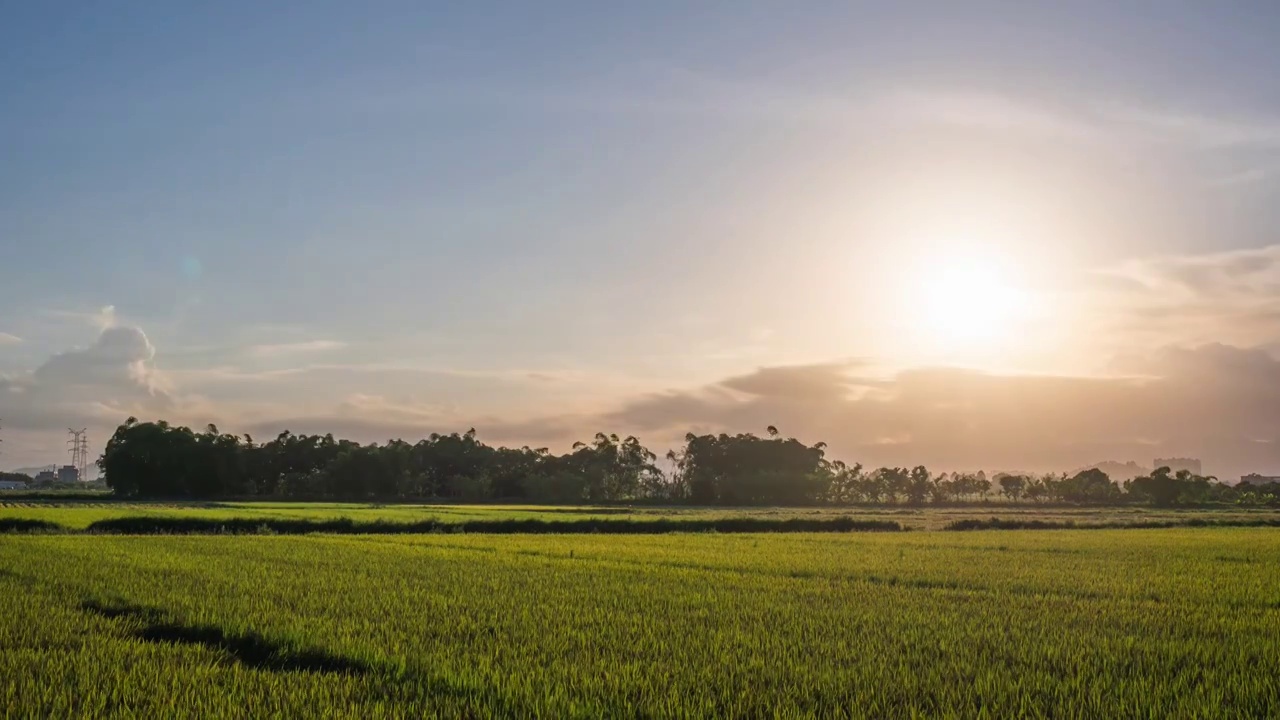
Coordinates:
(1013, 486)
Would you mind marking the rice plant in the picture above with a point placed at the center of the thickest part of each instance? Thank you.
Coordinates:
(1072, 623)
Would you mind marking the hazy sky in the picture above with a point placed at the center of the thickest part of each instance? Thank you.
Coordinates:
(971, 234)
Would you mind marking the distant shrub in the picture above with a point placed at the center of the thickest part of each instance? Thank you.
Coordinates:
(248, 526)
(1008, 524)
(25, 525)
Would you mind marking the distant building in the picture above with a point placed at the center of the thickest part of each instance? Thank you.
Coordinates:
(68, 474)
(12, 485)
(1191, 465)
(1256, 479)
(46, 476)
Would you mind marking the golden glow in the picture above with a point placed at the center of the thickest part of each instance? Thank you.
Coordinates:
(965, 302)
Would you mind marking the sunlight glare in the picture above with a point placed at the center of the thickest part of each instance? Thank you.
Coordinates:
(968, 301)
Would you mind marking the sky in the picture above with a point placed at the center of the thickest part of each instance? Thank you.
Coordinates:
(989, 235)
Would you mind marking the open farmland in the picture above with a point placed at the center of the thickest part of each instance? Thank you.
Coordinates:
(1138, 623)
(79, 515)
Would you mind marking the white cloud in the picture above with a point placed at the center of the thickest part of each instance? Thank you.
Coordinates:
(274, 350)
(103, 383)
(100, 318)
(7, 339)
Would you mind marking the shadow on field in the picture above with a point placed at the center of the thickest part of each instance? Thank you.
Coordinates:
(25, 525)
(250, 648)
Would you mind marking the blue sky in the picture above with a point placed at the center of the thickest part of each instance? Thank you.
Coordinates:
(421, 215)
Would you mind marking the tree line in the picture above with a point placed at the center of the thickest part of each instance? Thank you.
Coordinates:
(14, 477)
(156, 459)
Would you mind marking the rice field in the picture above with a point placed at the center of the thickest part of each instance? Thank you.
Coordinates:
(78, 515)
(1072, 623)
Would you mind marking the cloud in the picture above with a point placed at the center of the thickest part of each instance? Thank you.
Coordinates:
(1189, 128)
(1217, 402)
(374, 418)
(1247, 176)
(1122, 124)
(1087, 119)
(990, 111)
(7, 339)
(275, 350)
(1231, 297)
(1186, 343)
(794, 382)
(105, 382)
(101, 318)
(121, 358)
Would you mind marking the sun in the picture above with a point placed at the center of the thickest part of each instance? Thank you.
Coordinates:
(966, 301)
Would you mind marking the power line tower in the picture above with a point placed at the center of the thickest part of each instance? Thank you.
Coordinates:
(84, 456)
(79, 450)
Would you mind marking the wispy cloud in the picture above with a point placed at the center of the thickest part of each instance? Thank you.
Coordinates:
(1088, 118)
(7, 339)
(275, 350)
(1231, 297)
(1079, 119)
(991, 111)
(1194, 129)
(227, 373)
(664, 89)
(1093, 120)
(100, 318)
(1247, 176)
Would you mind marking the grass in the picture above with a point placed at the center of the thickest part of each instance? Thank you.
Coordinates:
(81, 515)
(1099, 623)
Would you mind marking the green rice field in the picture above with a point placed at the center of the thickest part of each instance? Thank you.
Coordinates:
(78, 515)
(1151, 623)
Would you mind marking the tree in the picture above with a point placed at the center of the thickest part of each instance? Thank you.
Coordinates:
(1036, 489)
(848, 484)
(919, 485)
(1159, 487)
(892, 483)
(156, 459)
(1089, 486)
(746, 469)
(1012, 486)
(1163, 489)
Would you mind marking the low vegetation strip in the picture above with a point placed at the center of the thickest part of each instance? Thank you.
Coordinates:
(177, 525)
(1019, 524)
(28, 525)
(246, 526)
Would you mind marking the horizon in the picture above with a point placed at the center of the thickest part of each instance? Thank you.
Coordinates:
(1013, 239)
(1133, 467)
